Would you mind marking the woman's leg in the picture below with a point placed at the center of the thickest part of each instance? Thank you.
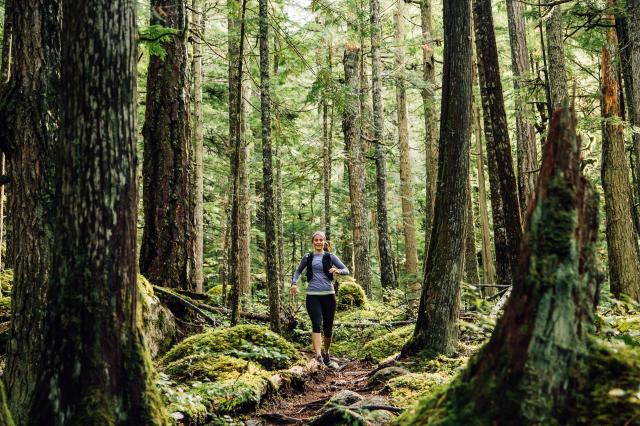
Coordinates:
(314, 309)
(328, 314)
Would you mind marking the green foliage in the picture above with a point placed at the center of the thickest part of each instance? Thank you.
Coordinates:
(350, 294)
(249, 342)
(6, 282)
(5, 308)
(388, 344)
(152, 38)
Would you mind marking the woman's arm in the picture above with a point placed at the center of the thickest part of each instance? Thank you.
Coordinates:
(301, 266)
(341, 269)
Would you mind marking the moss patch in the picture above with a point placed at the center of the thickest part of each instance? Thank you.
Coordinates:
(406, 390)
(5, 308)
(6, 282)
(387, 345)
(249, 342)
(206, 367)
(350, 294)
(156, 320)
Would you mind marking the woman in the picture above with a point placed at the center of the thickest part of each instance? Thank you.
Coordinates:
(321, 296)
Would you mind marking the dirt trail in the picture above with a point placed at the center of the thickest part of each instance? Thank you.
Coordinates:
(299, 407)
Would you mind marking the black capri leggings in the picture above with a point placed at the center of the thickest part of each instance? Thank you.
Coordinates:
(321, 310)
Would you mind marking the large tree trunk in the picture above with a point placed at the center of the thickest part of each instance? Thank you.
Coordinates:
(167, 252)
(558, 92)
(96, 367)
(504, 194)
(406, 181)
(29, 120)
(387, 274)
(622, 241)
(436, 326)
(526, 139)
(537, 350)
(198, 14)
(267, 173)
(429, 107)
(351, 129)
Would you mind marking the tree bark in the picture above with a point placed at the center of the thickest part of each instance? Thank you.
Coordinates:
(555, 54)
(245, 201)
(271, 253)
(406, 181)
(168, 246)
(429, 107)
(351, 129)
(388, 277)
(525, 133)
(622, 238)
(96, 367)
(199, 20)
(471, 273)
(504, 194)
(29, 119)
(436, 326)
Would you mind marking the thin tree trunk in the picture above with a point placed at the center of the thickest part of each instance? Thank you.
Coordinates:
(555, 54)
(504, 193)
(471, 273)
(526, 139)
(267, 173)
(622, 238)
(245, 202)
(429, 106)
(29, 120)
(406, 181)
(436, 326)
(199, 20)
(388, 277)
(167, 251)
(96, 367)
(351, 129)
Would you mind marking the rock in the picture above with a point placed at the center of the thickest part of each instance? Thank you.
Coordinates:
(345, 397)
(158, 322)
(380, 378)
(369, 402)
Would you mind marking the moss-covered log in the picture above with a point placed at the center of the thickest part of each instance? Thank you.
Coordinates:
(539, 347)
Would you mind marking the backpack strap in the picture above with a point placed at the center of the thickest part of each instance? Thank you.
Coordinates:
(309, 267)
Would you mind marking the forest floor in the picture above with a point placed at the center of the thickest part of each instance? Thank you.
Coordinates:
(300, 406)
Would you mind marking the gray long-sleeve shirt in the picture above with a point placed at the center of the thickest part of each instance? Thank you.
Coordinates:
(319, 283)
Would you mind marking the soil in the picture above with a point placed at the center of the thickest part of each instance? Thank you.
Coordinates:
(297, 407)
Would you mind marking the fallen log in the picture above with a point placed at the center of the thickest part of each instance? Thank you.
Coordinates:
(185, 302)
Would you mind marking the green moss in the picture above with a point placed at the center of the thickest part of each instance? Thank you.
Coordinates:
(5, 415)
(216, 290)
(6, 282)
(350, 294)
(156, 320)
(406, 390)
(5, 308)
(210, 367)
(388, 344)
(249, 342)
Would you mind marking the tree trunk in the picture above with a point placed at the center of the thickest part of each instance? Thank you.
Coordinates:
(388, 277)
(504, 193)
(351, 129)
(471, 273)
(538, 349)
(199, 20)
(436, 326)
(271, 253)
(96, 367)
(526, 139)
(429, 107)
(622, 241)
(168, 241)
(406, 181)
(555, 51)
(488, 268)
(29, 119)
(245, 201)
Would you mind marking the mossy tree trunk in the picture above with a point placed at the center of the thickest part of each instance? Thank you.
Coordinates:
(29, 121)
(352, 134)
(622, 241)
(436, 326)
(556, 68)
(535, 353)
(504, 191)
(96, 369)
(167, 252)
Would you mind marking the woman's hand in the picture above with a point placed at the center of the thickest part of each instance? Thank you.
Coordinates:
(334, 270)
(294, 290)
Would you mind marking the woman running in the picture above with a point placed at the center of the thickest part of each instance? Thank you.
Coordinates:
(321, 296)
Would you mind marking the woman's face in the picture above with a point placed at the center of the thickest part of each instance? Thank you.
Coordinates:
(318, 243)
